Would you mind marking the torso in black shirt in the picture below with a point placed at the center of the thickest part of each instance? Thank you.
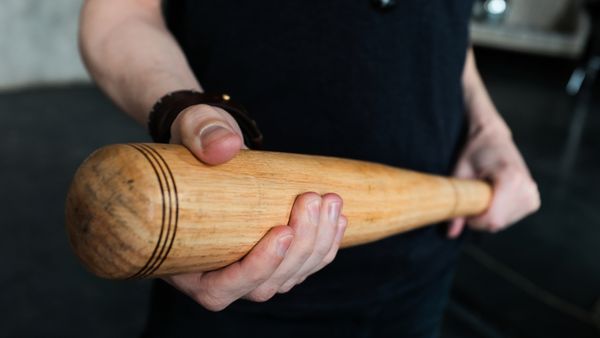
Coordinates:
(341, 78)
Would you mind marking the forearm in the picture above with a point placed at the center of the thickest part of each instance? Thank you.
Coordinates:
(491, 154)
(131, 55)
(480, 109)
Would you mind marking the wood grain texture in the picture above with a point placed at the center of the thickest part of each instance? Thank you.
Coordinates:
(144, 210)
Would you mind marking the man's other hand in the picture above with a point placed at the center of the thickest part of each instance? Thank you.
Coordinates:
(491, 154)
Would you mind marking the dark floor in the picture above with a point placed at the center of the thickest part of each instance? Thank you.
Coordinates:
(539, 279)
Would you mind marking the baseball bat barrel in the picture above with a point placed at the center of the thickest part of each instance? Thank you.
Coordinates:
(147, 210)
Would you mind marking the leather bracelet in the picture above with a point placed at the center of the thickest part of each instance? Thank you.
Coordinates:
(166, 110)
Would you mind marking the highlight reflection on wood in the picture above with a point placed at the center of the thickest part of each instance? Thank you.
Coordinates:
(141, 210)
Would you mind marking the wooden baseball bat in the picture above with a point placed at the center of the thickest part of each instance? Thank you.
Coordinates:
(146, 210)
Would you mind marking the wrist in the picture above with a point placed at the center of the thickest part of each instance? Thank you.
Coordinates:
(483, 116)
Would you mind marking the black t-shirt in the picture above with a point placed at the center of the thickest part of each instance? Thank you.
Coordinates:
(342, 78)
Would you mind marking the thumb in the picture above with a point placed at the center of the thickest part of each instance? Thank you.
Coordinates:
(210, 133)
(215, 143)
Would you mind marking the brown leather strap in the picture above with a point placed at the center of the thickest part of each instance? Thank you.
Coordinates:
(166, 110)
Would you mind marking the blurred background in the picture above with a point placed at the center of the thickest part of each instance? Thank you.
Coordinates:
(540, 278)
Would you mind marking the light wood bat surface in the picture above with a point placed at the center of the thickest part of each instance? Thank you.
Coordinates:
(145, 210)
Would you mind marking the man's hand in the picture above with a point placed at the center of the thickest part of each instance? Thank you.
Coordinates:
(491, 154)
(134, 58)
(286, 255)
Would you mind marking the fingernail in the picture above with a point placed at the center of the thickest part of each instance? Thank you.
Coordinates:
(333, 212)
(211, 133)
(283, 244)
(314, 210)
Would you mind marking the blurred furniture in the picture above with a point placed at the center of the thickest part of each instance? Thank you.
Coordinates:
(554, 28)
(546, 27)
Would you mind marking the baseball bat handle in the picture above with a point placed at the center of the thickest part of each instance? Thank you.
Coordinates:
(146, 210)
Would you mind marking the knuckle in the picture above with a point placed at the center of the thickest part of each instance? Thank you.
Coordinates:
(262, 294)
(501, 165)
(261, 298)
(256, 276)
(285, 288)
(215, 307)
(193, 118)
(537, 203)
(494, 228)
(533, 204)
(511, 173)
(330, 257)
(204, 109)
(190, 115)
(210, 303)
(534, 196)
(259, 265)
(495, 222)
(510, 169)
